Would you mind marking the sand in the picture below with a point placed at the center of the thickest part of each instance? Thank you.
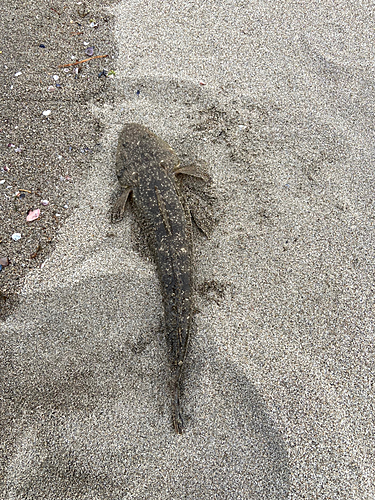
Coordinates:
(278, 391)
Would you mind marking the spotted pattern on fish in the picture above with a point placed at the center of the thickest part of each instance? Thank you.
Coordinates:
(147, 169)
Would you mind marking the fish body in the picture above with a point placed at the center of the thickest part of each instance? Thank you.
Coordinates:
(147, 168)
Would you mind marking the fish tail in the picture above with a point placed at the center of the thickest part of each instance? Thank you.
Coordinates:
(178, 422)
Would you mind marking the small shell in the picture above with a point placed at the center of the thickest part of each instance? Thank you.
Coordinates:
(33, 215)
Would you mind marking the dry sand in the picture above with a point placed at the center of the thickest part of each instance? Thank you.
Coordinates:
(278, 390)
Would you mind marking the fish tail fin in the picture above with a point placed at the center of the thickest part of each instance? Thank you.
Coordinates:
(178, 422)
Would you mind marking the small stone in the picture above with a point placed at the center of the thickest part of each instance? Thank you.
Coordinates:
(47, 112)
(16, 236)
(4, 261)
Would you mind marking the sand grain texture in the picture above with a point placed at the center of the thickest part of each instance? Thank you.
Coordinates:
(278, 389)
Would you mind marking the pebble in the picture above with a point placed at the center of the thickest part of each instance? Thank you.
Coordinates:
(16, 236)
(47, 112)
(4, 261)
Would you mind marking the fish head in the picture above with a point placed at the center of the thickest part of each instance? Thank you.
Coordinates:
(140, 150)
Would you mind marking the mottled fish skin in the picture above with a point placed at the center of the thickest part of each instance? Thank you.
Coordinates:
(146, 167)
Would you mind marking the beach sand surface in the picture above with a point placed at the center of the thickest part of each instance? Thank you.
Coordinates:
(278, 392)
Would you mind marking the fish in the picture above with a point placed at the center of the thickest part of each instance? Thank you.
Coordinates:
(150, 175)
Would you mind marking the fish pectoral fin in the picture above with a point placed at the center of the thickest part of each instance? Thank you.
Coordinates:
(202, 213)
(194, 171)
(118, 209)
